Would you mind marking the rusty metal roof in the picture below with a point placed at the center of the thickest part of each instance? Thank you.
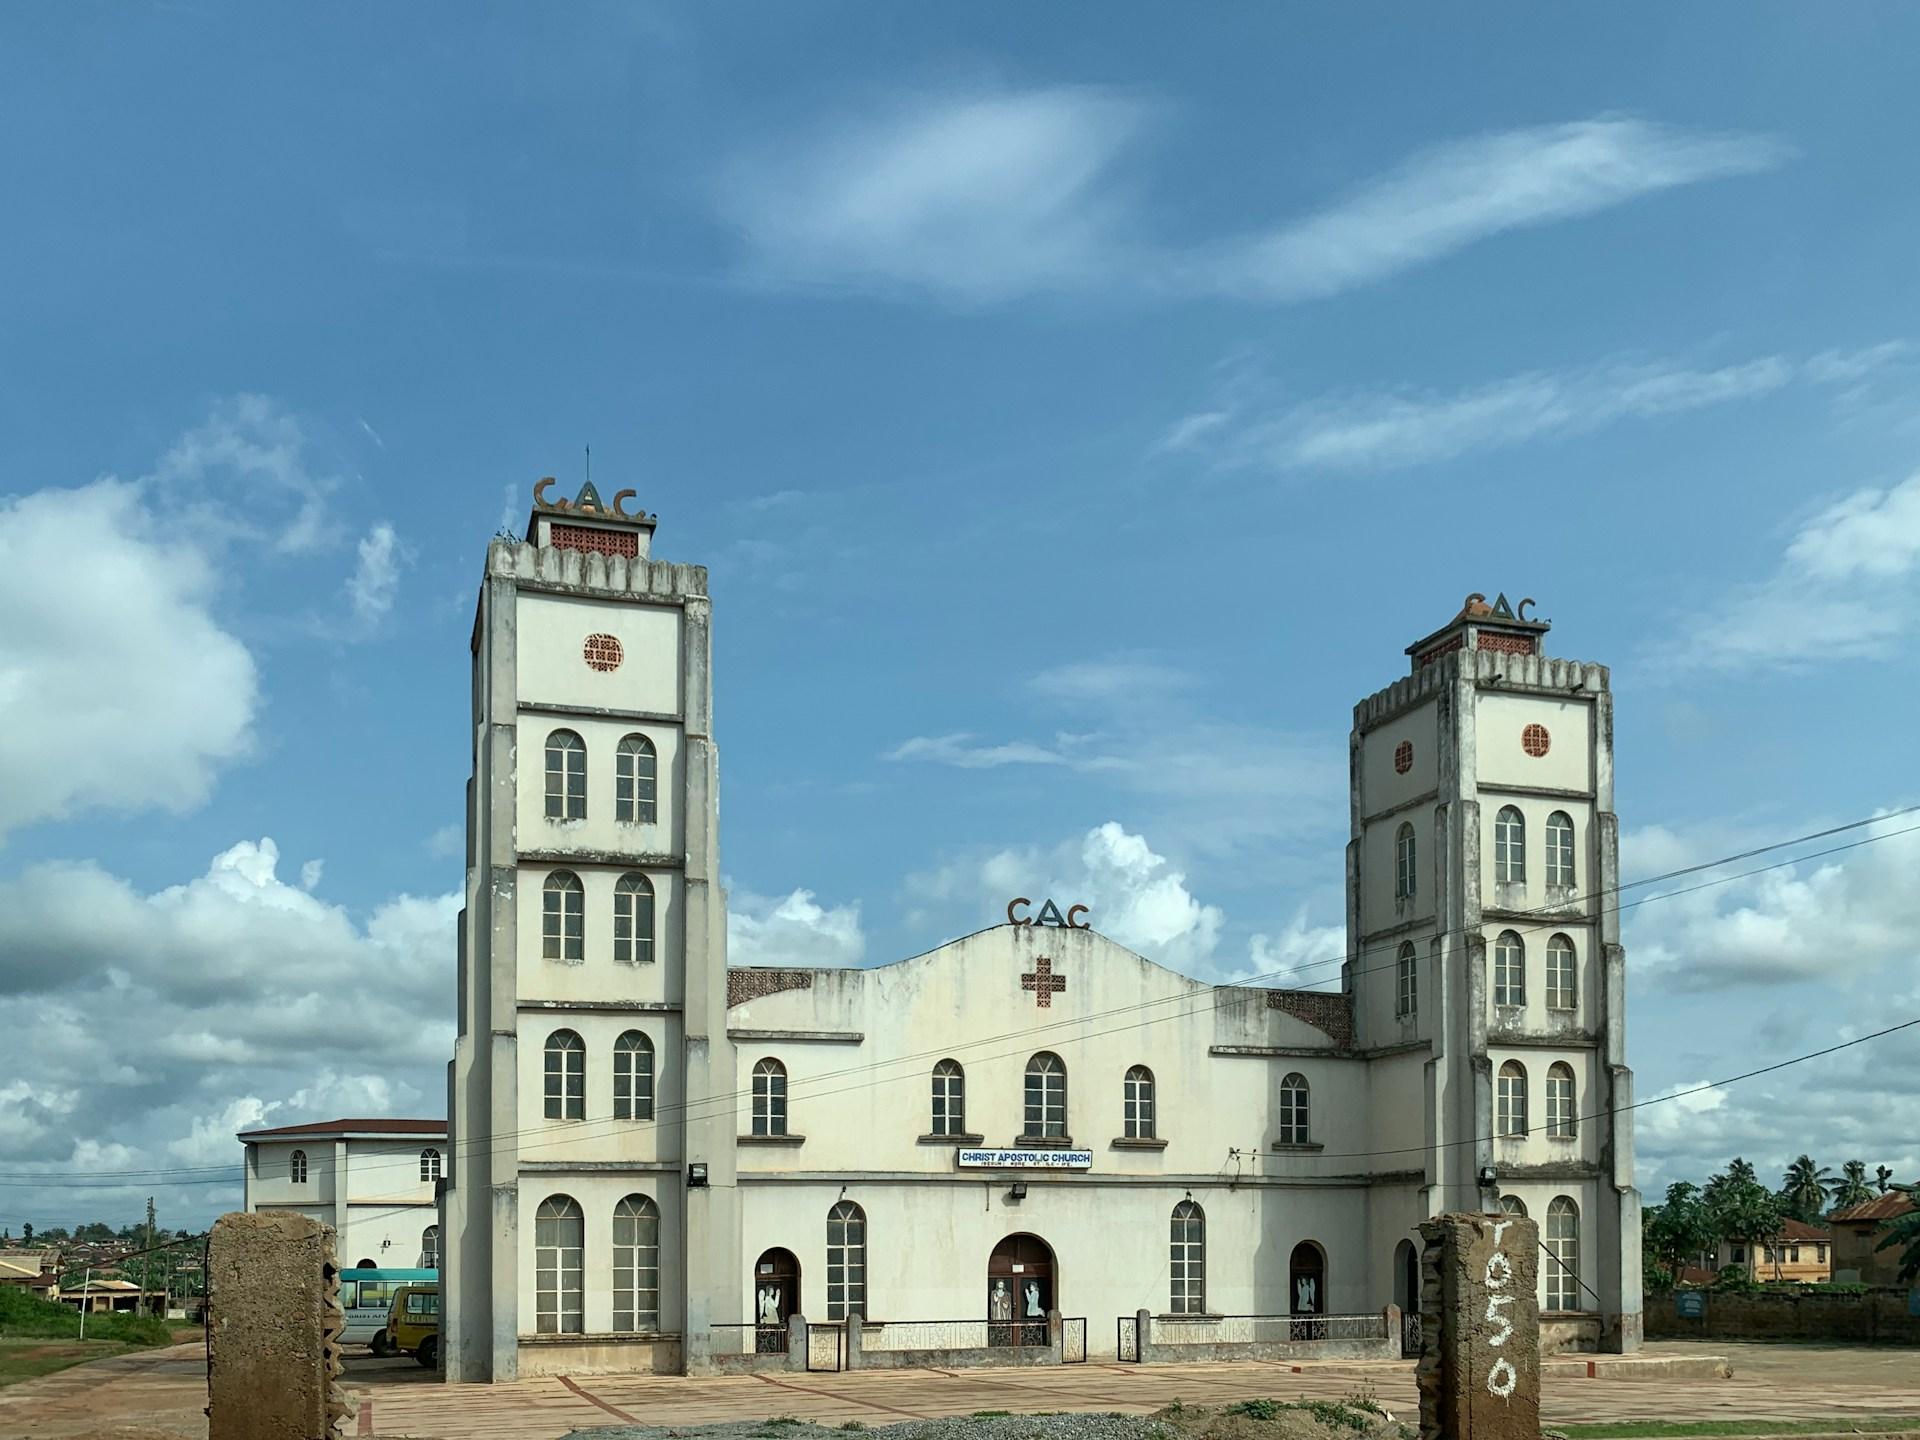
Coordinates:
(1890, 1206)
(352, 1127)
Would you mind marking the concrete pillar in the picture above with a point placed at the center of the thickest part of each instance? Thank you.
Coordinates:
(855, 1341)
(1142, 1327)
(1479, 1371)
(1055, 1339)
(796, 1342)
(274, 1334)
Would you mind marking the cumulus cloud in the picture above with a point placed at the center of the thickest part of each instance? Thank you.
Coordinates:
(989, 194)
(119, 689)
(376, 579)
(148, 1026)
(245, 473)
(793, 929)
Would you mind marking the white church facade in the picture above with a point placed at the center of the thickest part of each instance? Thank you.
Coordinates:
(658, 1160)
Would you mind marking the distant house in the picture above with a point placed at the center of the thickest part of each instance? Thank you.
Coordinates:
(31, 1269)
(99, 1297)
(1857, 1229)
(374, 1181)
(1799, 1252)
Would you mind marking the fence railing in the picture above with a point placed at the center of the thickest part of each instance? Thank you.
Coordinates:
(749, 1339)
(913, 1335)
(1126, 1338)
(827, 1345)
(1264, 1329)
(1073, 1340)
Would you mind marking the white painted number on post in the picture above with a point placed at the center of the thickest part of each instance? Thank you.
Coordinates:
(1494, 1302)
(1502, 1378)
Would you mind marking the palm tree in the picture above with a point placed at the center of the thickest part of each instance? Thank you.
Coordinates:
(1905, 1231)
(1805, 1186)
(1852, 1188)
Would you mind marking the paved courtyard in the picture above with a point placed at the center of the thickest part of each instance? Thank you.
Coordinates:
(159, 1394)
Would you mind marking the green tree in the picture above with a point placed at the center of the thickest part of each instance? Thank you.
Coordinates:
(1680, 1228)
(1852, 1188)
(1743, 1211)
(26, 1233)
(1805, 1187)
(1905, 1231)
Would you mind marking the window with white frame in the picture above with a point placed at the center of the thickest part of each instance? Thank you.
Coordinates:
(949, 1099)
(566, 776)
(1510, 1099)
(559, 1266)
(1509, 845)
(429, 1164)
(1138, 1104)
(633, 1077)
(1562, 1260)
(566, 1076)
(1406, 1002)
(1562, 993)
(1509, 970)
(636, 767)
(297, 1167)
(1560, 849)
(1188, 1260)
(636, 1265)
(633, 920)
(1405, 852)
(846, 1260)
(1513, 1205)
(430, 1248)
(1046, 1097)
(563, 918)
(1296, 1119)
(769, 1098)
(1560, 1098)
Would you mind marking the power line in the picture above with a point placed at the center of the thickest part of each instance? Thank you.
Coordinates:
(721, 1103)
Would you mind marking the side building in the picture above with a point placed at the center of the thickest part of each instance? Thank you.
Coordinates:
(373, 1181)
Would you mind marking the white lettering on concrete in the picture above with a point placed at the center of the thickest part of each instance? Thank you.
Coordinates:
(1502, 1377)
(1499, 1261)
(1494, 1302)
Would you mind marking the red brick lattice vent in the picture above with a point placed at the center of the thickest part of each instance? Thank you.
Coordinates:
(1506, 644)
(601, 542)
(1535, 740)
(602, 652)
(1403, 757)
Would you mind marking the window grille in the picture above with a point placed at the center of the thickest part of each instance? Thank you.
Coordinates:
(559, 1264)
(846, 1260)
(1046, 1093)
(949, 1099)
(1563, 1251)
(1405, 882)
(1407, 982)
(633, 1077)
(1560, 849)
(1295, 1117)
(1561, 973)
(636, 1265)
(1188, 1260)
(566, 1076)
(566, 776)
(1509, 846)
(635, 781)
(563, 918)
(769, 1098)
(1139, 1117)
(1511, 1100)
(633, 920)
(1509, 970)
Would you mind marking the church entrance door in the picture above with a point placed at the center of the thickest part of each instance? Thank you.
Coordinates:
(776, 1295)
(1019, 1291)
(1307, 1290)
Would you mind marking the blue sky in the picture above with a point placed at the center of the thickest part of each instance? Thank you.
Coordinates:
(1078, 410)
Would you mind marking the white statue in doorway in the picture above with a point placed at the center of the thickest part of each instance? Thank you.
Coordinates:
(1000, 1302)
(1303, 1288)
(1033, 1301)
(769, 1305)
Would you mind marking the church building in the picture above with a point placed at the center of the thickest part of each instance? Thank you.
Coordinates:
(656, 1160)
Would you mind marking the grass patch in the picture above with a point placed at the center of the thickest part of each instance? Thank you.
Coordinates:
(29, 1359)
(1359, 1412)
(27, 1316)
(1678, 1429)
(990, 1414)
(781, 1420)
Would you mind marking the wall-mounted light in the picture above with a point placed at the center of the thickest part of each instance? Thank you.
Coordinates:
(1489, 1176)
(697, 1175)
(1018, 1192)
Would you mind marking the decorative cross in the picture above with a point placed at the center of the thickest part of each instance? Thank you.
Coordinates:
(1043, 982)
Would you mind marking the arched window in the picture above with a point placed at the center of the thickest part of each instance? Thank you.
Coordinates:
(1563, 1254)
(1511, 1099)
(846, 1260)
(1561, 992)
(1404, 881)
(1295, 1118)
(566, 776)
(297, 1167)
(429, 1164)
(1509, 845)
(769, 1098)
(633, 920)
(1560, 1119)
(566, 1076)
(635, 776)
(1139, 1103)
(563, 918)
(1406, 1002)
(1046, 1097)
(636, 1264)
(1509, 970)
(1560, 849)
(559, 1266)
(633, 1077)
(430, 1248)
(1188, 1259)
(1513, 1205)
(949, 1099)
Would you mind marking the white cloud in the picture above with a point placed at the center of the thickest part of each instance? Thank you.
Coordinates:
(376, 580)
(449, 841)
(793, 929)
(1872, 534)
(236, 475)
(311, 872)
(992, 194)
(118, 687)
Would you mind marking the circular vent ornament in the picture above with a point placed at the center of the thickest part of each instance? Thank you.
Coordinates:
(1403, 757)
(1535, 740)
(603, 653)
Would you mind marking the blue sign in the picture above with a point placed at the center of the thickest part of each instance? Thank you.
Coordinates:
(1690, 1304)
(1913, 1302)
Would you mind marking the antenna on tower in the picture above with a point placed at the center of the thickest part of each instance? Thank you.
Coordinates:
(589, 464)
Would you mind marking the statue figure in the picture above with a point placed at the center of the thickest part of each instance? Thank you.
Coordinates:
(1033, 1301)
(1000, 1302)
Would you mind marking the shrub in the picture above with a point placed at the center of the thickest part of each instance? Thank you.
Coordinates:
(26, 1315)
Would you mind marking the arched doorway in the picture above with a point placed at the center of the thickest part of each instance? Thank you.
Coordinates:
(1406, 1294)
(776, 1295)
(1020, 1291)
(1307, 1290)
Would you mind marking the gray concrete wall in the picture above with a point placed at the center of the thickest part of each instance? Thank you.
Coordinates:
(1881, 1316)
(274, 1287)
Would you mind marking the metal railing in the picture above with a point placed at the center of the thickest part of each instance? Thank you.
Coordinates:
(747, 1338)
(1126, 1339)
(1266, 1329)
(1410, 1333)
(827, 1345)
(1073, 1340)
(900, 1336)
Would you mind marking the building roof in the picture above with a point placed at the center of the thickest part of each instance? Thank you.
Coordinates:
(341, 1129)
(1890, 1206)
(1792, 1229)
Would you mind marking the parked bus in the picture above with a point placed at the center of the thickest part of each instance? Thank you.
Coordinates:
(366, 1295)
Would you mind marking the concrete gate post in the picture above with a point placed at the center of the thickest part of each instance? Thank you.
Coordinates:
(796, 1342)
(1479, 1371)
(855, 1341)
(274, 1294)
